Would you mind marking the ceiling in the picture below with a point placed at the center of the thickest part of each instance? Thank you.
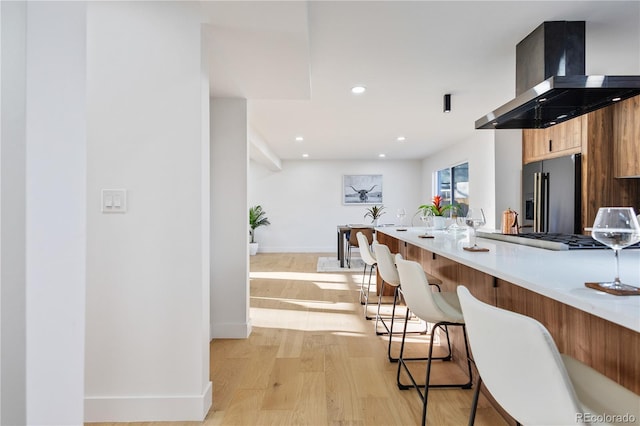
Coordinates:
(296, 61)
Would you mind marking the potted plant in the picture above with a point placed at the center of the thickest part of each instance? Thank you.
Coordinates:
(257, 218)
(374, 212)
(438, 210)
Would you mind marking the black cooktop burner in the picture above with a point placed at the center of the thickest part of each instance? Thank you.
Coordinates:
(573, 241)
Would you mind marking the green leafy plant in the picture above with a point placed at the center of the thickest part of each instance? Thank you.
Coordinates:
(437, 208)
(257, 218)
(374, 212)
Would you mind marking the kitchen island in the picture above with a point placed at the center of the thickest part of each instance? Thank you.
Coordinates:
(599, 329)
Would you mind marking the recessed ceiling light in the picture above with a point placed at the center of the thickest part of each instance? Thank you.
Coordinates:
(615, 99)
(305, 155)
(299, 138)
(382, 155)
(357, 90)
(401, 139)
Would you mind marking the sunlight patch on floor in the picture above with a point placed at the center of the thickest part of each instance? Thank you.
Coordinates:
(312, 321)
(305, 276)
(301, 302)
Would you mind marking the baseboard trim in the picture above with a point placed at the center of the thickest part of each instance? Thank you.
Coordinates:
(331, 249)
(148, 408)
(230, 330)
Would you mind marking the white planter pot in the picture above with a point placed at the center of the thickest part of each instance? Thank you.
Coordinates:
(253, 248)
(438, 222)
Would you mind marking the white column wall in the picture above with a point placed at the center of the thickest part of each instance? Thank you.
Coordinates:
(147, 290)
(229, 219)
(12, 208)
(56, 208)
(508, 154)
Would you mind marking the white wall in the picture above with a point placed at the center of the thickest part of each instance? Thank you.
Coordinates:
(147, 294)
(56, 207)
(479, 153)
(12, 221)
(304, 200)
(229, 219)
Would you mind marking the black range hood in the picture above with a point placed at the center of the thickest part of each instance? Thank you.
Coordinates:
(550, 83)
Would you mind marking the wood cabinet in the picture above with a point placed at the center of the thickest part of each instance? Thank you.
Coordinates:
(555, 141)
(609, 141)
(600, 188)
(626, 138)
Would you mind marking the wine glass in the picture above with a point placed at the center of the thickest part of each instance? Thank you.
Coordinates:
(617, 228)
(475, 219)
(427, 218)
(401, 213)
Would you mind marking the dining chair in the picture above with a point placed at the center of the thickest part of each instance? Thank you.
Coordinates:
(523, 370)
(442, 309)
(364, 245)
(353, 240)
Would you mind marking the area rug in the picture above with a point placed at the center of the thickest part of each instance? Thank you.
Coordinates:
(331, 264)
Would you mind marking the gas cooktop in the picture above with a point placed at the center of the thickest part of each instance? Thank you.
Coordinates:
(551, 241)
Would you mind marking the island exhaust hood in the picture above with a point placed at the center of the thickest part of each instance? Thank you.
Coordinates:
(550, 83)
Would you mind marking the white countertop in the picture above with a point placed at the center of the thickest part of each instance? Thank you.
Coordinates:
(559, 275)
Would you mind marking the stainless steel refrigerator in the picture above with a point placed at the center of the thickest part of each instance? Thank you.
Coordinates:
(551, 195)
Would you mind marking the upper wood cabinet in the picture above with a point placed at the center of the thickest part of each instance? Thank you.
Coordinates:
(609, 140)
(555, 141)
(626, 138)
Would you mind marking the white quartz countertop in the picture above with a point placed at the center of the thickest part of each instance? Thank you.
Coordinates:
(559, 275)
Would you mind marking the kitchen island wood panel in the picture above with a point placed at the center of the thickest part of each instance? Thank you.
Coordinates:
(606, 346)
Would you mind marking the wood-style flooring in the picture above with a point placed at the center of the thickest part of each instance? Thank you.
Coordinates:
(312, 359)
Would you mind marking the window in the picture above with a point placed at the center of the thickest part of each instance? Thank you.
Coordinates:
(454, 182)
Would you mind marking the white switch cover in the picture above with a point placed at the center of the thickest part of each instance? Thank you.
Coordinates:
(114, 201)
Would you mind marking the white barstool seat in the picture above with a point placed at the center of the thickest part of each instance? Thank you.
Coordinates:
(521, 366)
(364, 245)
(389, 274)
(440, 308)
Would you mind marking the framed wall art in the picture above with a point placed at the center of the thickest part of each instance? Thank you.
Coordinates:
(361, 189)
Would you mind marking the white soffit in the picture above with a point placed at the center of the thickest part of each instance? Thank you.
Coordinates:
(258, 50)
(260, 152)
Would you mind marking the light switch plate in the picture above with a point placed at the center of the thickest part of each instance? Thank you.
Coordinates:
(114, 201)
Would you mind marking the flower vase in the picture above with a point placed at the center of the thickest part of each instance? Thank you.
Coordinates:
(438, 223)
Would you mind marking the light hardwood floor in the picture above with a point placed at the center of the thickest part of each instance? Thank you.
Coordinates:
(312, 359)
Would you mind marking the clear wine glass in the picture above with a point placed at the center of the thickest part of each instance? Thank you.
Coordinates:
(617, 228)
(427, 218)
(475, 219)
(401, 213)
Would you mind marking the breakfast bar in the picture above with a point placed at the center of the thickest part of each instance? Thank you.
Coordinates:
(599, 329)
